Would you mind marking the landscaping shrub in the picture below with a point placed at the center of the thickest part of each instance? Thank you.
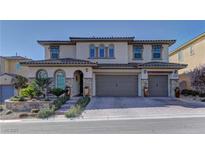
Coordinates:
(45, 113)
(187, 92)
(57, 91)
(59, 102)
(78, 108)
(29, 91)
(73, 111)
(18, 98)
(1, 108)
(8, 112)
(202, 95)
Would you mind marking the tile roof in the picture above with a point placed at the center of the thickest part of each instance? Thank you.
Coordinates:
(61, 61)
(162, 65)
(15, 57)
(55, 42)
(111, 66)
(170, 42)
(9, 74)
(102, 38)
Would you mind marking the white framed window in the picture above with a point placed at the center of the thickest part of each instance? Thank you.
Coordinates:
(111, 51)
(54, 51)
(101, 51)
(191, 51)
(180, 56)
(92, 51)
(137, 51)
(156, 51)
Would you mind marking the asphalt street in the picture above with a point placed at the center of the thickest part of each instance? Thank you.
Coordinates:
(195, 125)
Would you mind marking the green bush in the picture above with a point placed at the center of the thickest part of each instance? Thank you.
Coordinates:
(57, 91)
(74, 111)
(45, 113)
(59, 102)
(30, 91)
(18, 98)
(1, 108)
(78, 108)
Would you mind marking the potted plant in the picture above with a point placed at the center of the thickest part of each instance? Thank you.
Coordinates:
(177, 92)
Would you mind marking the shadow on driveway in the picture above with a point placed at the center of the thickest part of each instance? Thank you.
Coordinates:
(139, 102)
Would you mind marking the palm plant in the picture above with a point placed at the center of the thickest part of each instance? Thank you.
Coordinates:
(43, 84)
(19, 82)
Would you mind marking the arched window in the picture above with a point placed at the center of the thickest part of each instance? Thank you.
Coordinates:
(102, 51)
(111, 51)
(42, 74)
(60, 79)
(92, 51)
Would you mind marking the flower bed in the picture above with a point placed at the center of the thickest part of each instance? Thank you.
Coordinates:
(27, 106)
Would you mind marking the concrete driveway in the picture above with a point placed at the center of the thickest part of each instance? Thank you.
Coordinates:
(140, 107)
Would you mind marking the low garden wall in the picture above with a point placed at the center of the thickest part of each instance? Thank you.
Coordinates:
(27, 106)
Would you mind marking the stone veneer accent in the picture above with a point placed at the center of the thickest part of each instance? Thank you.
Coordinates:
(26, 106)
(173, 84)
(88, 82)
(69, 82)
(144, 83)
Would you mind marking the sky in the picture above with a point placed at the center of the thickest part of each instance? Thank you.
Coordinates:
(21, 36)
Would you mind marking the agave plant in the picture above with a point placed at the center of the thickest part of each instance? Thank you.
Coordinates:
(43, 84)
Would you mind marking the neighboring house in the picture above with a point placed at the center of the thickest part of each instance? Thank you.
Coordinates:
(9, 68)
(191, 53)
(108, 66)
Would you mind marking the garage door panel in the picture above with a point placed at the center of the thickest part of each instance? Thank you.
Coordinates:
(6, 91)
(158, 85)
(116, 85)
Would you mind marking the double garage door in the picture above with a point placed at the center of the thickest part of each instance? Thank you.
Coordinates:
(116, 85)
(127, 85)
(6, 91)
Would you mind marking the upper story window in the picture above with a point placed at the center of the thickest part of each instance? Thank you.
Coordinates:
(111, 51)
(92, 51)
(156, 51)
(101, 51)
(180, 56)
(191, 51)
(54, 51)
(41, 74)
(137, 52)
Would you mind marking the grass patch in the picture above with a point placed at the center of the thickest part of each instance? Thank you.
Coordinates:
(45, 113)
(79, 107)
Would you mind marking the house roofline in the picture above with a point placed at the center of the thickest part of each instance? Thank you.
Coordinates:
(187, 43)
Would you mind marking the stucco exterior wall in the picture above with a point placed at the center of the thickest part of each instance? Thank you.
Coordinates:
(69, 71)
(147, 54)
(193, 60)
(66, 51)
(120, 51)
(5, 80)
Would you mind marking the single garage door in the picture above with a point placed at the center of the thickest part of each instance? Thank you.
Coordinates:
(158, 85)
(6, 91)
(116, 85)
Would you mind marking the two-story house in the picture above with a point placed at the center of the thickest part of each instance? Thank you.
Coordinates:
(108, 66)
(191, 53)
(9, 68)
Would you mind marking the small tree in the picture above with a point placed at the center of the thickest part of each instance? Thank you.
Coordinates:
(19, 82)
(43, 84)
(57, 91)
(198, 79)
(30, 91)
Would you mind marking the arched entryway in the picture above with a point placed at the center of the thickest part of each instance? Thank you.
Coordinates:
(78, 83)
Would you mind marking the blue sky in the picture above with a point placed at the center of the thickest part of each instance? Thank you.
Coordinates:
(21, 36)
